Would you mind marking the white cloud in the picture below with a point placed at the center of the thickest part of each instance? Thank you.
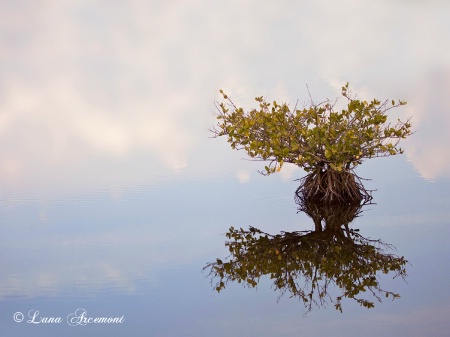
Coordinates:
(84, 85)
(428, 148)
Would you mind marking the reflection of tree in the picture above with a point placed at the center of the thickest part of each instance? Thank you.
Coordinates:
(306, 263)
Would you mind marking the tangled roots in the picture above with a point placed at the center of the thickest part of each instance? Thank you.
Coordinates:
(330, 187)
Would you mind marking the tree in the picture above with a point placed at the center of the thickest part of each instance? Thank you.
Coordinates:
(326, 143)
(306, 264)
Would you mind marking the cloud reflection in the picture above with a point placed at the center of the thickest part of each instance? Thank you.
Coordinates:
(87, 263)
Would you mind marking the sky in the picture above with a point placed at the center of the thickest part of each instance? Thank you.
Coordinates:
(96, 93)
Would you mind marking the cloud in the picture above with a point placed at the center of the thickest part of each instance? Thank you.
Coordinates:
(428, 149)
(84, 86)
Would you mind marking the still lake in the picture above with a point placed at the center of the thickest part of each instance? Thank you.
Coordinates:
(113, 196)
(140, 253)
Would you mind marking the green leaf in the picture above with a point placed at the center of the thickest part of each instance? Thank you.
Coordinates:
(316, 137)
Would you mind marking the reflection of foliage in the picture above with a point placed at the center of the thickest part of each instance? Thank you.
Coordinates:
(306, 263)
(327, 143)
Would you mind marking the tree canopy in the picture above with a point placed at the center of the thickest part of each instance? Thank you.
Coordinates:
(314, 137)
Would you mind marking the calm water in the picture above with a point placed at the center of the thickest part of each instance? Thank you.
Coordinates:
(113, 198)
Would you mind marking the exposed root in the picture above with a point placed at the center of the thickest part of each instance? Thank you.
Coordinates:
(330, 187)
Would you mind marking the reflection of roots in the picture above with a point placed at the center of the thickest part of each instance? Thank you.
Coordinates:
(330, 187)
(332, 214)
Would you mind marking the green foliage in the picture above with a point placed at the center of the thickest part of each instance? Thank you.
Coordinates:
(315, 137)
